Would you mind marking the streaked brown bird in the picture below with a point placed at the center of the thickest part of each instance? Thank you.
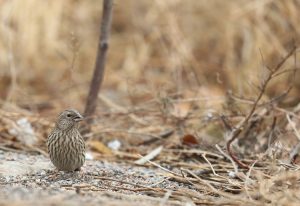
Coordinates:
(65, 144)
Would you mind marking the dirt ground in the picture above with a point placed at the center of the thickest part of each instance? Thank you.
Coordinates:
(31, 179)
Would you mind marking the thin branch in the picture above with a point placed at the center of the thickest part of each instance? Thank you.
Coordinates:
(101, 59)
(228, 157)
(235, 133)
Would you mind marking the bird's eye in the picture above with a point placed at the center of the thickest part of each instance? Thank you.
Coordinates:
(68, 115)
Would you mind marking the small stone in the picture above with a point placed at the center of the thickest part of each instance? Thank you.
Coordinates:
(232, 174)
(23, 178)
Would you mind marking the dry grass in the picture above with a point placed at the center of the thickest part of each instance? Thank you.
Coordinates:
(213, 45)
(170, 64)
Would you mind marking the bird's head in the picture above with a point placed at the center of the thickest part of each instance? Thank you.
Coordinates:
(68, 119)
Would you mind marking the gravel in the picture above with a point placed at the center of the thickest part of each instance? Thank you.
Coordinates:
(28, 179)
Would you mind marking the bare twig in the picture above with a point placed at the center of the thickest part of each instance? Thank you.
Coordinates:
(248, 180)
(293, 125)
(163, 168)
(236, 132)
(119, 108)
(10, 57)
(151, 155)
(101, 59)
(228, 157)
(272, 135)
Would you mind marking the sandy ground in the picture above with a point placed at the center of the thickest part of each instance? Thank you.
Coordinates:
(32, 179)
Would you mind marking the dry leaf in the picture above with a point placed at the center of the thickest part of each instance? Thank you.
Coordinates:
(189, 139)
(181, 109)
(99, 147)
(149, 156)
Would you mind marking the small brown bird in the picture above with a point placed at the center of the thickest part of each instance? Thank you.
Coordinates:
(65, 144)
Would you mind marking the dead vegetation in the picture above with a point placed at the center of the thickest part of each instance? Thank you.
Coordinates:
(204, 91)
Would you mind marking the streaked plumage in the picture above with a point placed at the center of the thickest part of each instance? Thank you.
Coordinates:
(65, 144)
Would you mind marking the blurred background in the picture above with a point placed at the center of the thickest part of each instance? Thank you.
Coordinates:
(192, 49)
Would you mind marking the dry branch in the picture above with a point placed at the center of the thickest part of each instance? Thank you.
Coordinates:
(236, 132)
(101, 59)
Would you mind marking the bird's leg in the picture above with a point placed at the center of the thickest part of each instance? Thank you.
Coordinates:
(79, 173)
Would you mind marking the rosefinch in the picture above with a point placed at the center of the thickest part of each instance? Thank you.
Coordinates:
(66, 146)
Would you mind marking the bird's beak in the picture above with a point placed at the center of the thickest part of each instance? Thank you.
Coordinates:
(78, 118)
